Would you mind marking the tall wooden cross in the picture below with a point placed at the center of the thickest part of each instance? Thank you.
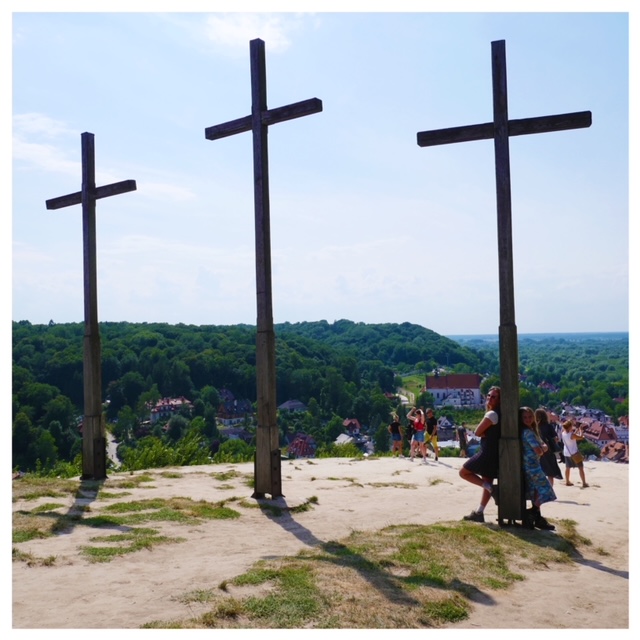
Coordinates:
(94, 443)
(511, 505)
(268, 476)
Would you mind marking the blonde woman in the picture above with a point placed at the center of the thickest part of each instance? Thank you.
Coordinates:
(537, 487)
(571, 435)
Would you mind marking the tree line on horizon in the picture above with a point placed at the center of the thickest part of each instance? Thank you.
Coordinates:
(339, 370)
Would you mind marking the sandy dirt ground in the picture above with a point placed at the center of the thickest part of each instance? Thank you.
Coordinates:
(352, 495)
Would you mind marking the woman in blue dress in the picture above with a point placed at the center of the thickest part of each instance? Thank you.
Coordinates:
(537, 487)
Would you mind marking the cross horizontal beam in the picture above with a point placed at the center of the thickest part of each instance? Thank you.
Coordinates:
(272, 116)
(101, 192)
(524, 126)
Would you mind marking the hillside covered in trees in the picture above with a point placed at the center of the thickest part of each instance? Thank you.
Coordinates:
(339, 370)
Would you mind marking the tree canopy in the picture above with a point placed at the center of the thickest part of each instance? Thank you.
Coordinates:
(339, 370)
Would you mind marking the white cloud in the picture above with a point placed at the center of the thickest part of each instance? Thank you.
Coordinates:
(53, 158)
(45, 157)
(235, 29)
(38, 123)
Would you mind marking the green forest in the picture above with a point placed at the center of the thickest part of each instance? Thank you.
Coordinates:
(339, 370)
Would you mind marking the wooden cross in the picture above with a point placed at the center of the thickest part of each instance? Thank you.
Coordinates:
(268, 477)
(511, 505)
(94, 444)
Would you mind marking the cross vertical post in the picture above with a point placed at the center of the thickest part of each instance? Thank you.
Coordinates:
(94, 443)
(510, 455)
(268, 476)
(267, 435)
(511, 505)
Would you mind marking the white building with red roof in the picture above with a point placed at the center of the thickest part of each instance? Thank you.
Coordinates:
(455, 389)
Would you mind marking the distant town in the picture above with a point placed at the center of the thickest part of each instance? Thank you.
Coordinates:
(235, 415)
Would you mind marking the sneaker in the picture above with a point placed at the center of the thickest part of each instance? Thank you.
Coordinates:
(495, 493)
(436, 458)
(474, 516)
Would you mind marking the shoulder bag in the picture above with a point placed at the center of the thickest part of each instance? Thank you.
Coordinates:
(577, 458)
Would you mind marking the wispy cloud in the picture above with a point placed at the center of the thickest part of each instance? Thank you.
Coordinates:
(55, 158)
(38, 123)
(42, 155)
(45, 157)
(235, 29)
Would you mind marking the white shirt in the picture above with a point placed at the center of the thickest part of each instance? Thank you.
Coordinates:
(570, 445)
(492, 415)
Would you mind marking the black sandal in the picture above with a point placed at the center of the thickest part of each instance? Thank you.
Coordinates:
(542, 523)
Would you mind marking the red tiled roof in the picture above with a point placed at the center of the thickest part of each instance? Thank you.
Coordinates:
(454, 381)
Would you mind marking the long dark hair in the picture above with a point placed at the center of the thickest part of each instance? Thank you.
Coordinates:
(541, 416)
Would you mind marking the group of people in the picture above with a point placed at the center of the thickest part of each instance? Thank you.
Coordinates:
(540, 445)
(424, 427)
(425, 432)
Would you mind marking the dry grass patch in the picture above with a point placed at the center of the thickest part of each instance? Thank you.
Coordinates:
(30, 560)
(352, 481)
(224, 476)
(396, 485)
(405, 576)
(170, 509)
(276, 510)
(122, 519)
(119, 544)
(129, 480)
(29, 488)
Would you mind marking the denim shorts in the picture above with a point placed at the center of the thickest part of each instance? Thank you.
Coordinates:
(418, 436)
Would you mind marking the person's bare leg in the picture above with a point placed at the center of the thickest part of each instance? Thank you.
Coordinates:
(581, 471)
(471, 477)
(486, 495)
(567, 473)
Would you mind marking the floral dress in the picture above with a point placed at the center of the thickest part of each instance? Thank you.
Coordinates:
(537, 487)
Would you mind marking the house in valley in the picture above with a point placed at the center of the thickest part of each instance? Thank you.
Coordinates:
(232, 410)
(615, 452)
(165, 408)
(455, 389)
(352, 426)
(292, 405)
(302, 446)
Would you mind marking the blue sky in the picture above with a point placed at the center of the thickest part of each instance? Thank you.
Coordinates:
(365, 225)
